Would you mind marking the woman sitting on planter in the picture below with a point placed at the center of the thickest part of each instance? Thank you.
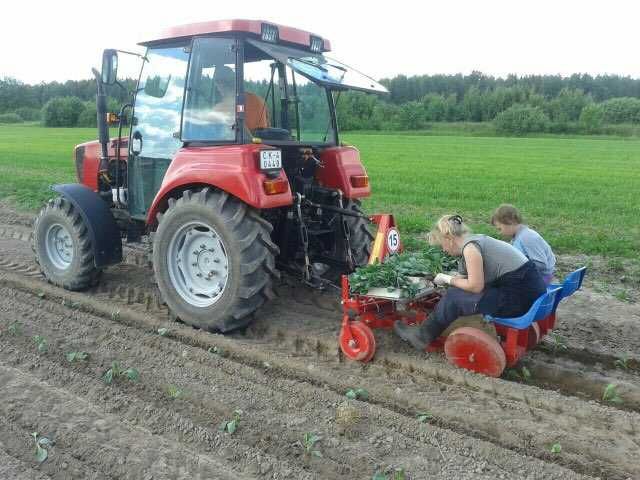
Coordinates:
(495, 279)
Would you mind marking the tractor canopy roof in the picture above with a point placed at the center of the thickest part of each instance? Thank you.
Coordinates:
(261, 29)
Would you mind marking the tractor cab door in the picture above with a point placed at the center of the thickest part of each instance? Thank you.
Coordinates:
(155, 132)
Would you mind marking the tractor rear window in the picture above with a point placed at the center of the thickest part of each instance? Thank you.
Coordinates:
(210, 102)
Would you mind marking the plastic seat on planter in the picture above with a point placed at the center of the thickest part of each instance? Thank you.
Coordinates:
(540, 309)
(571, 283)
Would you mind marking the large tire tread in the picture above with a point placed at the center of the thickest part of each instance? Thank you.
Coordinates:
(251, 236)
(84, 273)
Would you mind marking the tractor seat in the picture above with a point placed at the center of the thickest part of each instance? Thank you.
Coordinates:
(540, 309)
(256, 115)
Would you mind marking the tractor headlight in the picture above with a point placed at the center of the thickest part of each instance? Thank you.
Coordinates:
(316, 44)
(269, 33)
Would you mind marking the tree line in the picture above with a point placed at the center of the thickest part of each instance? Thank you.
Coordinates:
(578, 103)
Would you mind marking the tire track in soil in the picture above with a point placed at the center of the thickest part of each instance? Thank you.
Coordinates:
(579, 460)
(407, 434)
(100, 440)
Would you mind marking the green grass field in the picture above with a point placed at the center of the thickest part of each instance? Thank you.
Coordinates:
(580, 193)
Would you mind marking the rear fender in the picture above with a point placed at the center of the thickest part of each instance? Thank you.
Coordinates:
(339, 165)
(233, 169)
(103, 230)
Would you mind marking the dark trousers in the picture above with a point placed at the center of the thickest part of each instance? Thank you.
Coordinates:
(453, 304)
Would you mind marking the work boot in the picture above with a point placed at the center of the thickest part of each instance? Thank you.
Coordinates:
(412, 335)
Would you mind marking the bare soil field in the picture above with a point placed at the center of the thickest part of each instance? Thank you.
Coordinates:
(288, 378)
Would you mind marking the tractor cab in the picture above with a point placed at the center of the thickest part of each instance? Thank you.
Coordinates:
(226, 83)
(233, 163)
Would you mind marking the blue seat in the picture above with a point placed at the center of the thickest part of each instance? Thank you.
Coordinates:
(571, 283)
(540, 309)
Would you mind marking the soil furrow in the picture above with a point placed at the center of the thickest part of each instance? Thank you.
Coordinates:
(452, 407)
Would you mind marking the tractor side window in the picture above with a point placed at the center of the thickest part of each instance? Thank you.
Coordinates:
(210, 103)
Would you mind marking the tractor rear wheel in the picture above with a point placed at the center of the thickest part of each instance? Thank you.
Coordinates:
(361, 238)
(213, 259)
(63, 247)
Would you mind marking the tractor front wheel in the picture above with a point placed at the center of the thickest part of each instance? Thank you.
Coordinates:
(213, 259)
(63, 247)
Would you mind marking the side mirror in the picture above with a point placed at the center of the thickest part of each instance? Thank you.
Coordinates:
(109, 67)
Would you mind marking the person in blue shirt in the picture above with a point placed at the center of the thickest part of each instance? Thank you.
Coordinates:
(508, 221)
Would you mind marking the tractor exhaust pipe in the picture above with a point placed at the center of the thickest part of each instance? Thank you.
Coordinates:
(103, 129)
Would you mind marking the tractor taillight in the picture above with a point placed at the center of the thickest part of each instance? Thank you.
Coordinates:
(275, 186)
(359, 181)
(269, 33)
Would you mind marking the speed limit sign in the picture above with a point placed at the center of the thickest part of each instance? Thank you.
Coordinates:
(393, 240)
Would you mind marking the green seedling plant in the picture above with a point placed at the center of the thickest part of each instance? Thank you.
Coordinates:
(77, 356)
(623, 363)
(41, 442)
(397, 474)
(15, 329)
(610, 394)
(41, 343)
(163, 332)
(174, 392)
(424, 417)
(556, 448)
(395, 272)
(116, 372)
(558, 342)
(115, 315)
(357, 394)
(231, 426)
(309, 441)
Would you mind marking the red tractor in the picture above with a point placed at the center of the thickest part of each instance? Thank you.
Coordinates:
(233, 165)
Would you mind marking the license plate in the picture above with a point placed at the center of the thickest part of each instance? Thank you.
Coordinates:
(270, 159)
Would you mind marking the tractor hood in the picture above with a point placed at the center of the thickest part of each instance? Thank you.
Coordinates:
(321, 69)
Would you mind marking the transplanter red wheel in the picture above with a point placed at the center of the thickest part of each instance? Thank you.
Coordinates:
(475, 350)
(360, 345)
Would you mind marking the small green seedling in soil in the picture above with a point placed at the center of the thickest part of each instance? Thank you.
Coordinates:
(15, 329)
(41, 443)
(610, 394)
(357, 394)
(163, 332)
(309, 441)
(41, 342)
(216, 351)
(115, 315)
(526, 374)
(622, 363)
(41, 295)
(116, 372)
(622, 295)
(558, 342)
(232, 425)
(556, 448)
(423, 417)
(396, 475)
(174, 392)
(77, 356)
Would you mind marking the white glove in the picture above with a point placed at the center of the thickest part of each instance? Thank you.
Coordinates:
(442, 279)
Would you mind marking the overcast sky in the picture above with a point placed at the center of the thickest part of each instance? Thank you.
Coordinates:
(60, 40)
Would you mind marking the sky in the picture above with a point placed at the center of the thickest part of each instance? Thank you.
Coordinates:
(61, 40)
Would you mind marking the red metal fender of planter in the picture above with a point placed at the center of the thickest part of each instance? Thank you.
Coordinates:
(475, 350)
(357, 342)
